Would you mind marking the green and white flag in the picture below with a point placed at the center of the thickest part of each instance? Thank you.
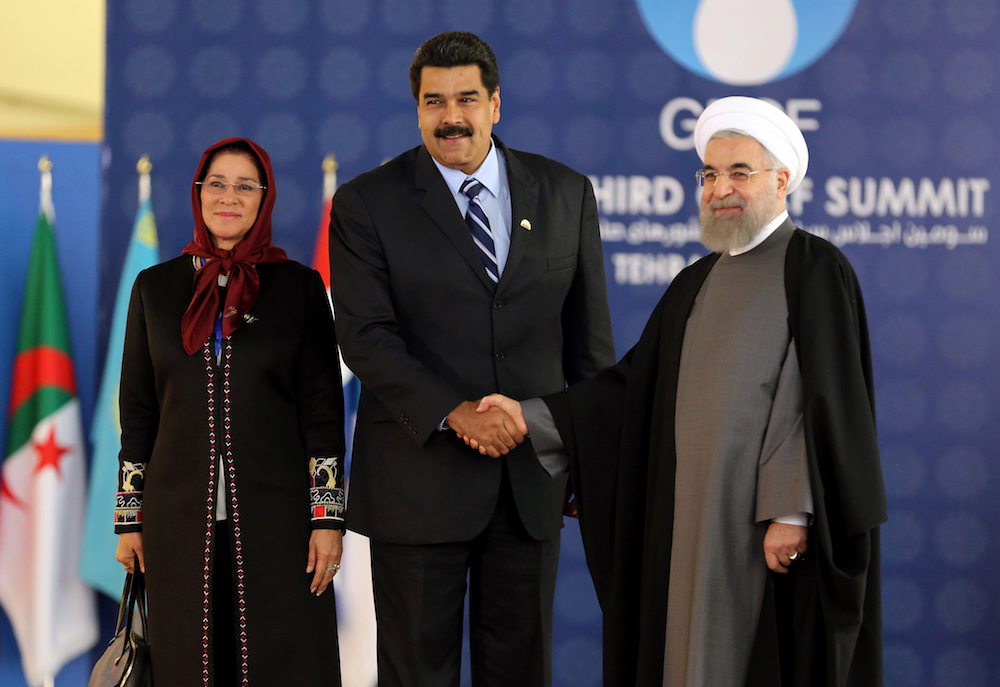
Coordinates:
(99, 566)
(43, 478)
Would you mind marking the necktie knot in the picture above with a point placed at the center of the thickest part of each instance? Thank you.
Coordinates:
(471, 187)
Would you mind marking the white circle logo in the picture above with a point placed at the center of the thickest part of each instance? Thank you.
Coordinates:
(743, 42)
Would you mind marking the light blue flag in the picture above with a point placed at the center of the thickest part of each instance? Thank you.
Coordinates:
(98, 565)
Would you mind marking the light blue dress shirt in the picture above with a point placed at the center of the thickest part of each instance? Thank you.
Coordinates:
(495, 198)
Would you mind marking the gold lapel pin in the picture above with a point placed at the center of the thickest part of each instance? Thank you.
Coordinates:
(526, 224)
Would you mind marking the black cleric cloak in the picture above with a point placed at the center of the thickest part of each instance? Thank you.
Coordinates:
(820, 624)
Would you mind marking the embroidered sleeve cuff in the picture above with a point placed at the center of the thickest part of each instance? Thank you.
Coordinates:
(128, 509)
(326, 492)
(128, 502)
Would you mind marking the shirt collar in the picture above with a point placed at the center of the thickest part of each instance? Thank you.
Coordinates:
(488, 174)
(762, 234)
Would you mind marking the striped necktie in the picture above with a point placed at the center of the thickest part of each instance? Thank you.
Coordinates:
(479, 225)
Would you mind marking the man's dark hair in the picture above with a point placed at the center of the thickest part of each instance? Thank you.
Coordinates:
(455, 49)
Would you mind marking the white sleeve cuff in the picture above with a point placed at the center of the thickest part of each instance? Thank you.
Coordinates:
(800, 519)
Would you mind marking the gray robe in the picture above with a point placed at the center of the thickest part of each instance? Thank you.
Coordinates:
(741, 461)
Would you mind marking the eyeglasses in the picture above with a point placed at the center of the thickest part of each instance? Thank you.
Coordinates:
(242, 188)
(737, 178)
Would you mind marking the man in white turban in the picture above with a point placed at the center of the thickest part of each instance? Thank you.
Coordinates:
(726, 470)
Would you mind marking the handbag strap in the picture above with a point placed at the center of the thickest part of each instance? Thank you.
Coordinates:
(133, 594)
(140, 594)
(126, 605)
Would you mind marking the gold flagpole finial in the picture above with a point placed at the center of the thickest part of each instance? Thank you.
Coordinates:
(45, 188)
(329, 176)
(144, 167)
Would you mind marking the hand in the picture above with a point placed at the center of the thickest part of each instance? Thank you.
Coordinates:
(492, 431)
(511, 407)
(325, 550)
(781, 542)
(507, 405)
(130, 550)
(571, 509)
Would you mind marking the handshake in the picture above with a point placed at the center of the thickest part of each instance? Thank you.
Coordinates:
(493, 425)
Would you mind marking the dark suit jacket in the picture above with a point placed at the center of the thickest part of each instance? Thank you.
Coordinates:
(422, 329)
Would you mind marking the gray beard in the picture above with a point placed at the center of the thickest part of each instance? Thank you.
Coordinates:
(723, 234)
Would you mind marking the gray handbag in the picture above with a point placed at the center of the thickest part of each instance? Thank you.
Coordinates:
(125, 662)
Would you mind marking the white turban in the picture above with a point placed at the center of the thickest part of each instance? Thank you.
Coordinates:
(772, 128)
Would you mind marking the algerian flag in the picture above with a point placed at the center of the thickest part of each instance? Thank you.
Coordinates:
(99, 566)
(43, 477)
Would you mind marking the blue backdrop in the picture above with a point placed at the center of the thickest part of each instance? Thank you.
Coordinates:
(897, 100)
(892, 96)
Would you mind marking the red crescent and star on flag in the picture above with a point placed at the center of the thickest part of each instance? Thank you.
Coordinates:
(35, 368)
(50, 454)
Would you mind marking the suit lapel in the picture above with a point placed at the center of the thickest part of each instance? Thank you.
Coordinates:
(440, 205)
(523, 203)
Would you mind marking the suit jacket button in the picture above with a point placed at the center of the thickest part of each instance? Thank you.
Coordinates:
(497, 304)
(500, 356)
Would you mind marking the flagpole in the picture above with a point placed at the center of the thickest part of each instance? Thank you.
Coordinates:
(45, 206)
(98, 564)
(330, 166)
(358, 631)
(144, 167)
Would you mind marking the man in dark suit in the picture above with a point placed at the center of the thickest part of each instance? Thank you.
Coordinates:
(460, 268)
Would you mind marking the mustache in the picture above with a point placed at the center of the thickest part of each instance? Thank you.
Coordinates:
(730, 201)
(452, 130)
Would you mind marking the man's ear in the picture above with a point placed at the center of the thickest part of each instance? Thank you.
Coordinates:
(495, 99)
(784, 176)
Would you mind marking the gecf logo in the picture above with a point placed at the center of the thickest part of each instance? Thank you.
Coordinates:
(678, 117)
(746, 42)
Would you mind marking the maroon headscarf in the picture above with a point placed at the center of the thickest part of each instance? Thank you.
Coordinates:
(198, 322)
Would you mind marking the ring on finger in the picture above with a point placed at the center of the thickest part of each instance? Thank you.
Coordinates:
(794, 556)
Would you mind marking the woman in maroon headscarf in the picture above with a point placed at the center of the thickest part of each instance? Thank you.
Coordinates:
(231, 494)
